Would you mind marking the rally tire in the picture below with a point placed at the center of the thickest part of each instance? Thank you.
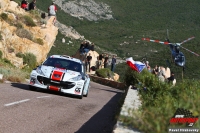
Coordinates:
(81, 96)
(87, 92)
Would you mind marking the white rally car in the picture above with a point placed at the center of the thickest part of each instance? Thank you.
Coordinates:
(61, 73)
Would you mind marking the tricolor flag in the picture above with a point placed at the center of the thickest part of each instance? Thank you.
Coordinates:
(135, 65)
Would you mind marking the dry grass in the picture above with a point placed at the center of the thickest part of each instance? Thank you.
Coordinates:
(12, 74)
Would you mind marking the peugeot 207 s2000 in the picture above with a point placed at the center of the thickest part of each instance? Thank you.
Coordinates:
(61, 73)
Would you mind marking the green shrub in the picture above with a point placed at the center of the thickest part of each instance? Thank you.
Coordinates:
(160, 101)
(29, 21)
(35, 14)
(30, 60)
(20, 55)
(6, 61)
(1, 54)
(39, 41)
(19, 25)
(4, 16)
(105, 73)
(23, 33)
(11, 74)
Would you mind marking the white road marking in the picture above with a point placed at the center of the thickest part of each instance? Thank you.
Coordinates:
(17, 102)
(43, 96)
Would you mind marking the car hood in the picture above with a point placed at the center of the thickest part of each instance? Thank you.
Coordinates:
(58, 74)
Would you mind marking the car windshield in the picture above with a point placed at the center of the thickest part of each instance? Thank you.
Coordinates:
(63, 64)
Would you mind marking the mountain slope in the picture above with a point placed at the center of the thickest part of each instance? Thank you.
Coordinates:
(133, 20)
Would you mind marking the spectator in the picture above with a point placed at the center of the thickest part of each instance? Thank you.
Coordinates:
(161, 74)
(87, 47)
(52, 11)
(155, 70)
(24, 5)
(149, 69)
(106, 61)
(89, 58)
(81, 49)
(113, 63)
(171, 78)
(97, 63)
(147, 63)
(101, 61)
(43, 19)
(32, 5)
(92, 47)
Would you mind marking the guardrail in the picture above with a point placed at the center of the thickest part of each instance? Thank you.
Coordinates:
(114, 84)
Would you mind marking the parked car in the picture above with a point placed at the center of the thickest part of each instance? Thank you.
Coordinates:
(61, 73)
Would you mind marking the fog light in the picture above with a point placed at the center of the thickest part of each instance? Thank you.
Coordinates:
(32, 81)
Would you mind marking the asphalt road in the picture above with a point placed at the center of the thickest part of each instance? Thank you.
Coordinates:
(25, 111)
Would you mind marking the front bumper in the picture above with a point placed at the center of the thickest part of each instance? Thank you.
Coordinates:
(69, 87)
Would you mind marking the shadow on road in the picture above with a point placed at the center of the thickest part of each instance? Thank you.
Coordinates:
(26, 87)
(104, 120)
(20, 86)
(115, 91)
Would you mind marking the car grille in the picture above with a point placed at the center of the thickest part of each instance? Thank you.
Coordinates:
(60, 84)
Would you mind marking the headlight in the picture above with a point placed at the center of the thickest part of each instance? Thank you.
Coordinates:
(38, 70)
(79, 77)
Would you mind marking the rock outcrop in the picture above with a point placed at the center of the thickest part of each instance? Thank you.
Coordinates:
(10, 40)
(89, 9)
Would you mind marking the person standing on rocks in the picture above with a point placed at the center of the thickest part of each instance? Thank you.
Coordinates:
(52, 11)
(106, 61)
(113, 63)
(101, 61)
(24, 5)
(32, 5)
(88, 61)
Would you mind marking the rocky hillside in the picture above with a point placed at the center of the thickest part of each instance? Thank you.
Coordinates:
(88, 9)
(17, 36)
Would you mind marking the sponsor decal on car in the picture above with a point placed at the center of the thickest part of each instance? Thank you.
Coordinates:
(54, 88)
(60, 69)
(79, 84)
(72, 73)
(57, 75)
(77, 90)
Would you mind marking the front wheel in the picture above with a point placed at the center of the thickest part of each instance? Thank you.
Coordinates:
(81, 96)
(86, 94)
